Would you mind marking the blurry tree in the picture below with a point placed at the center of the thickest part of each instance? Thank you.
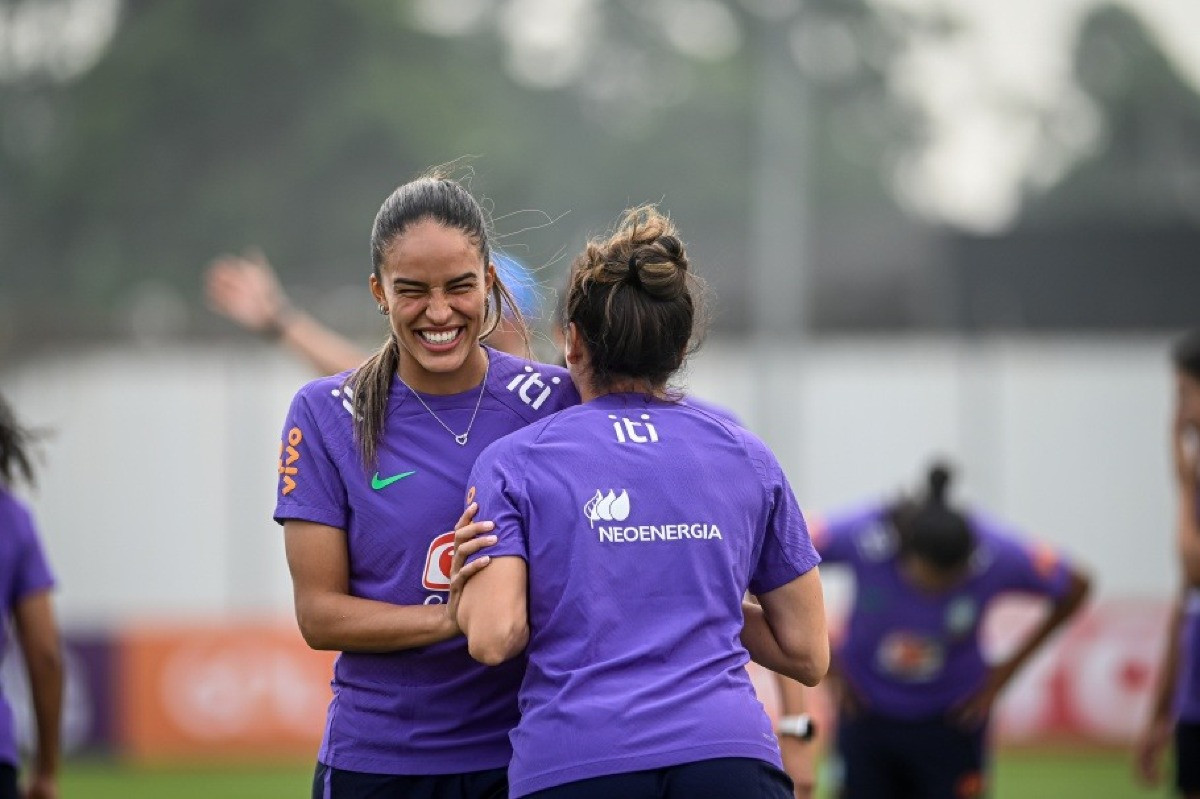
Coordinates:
(211, 125)
(1108, 240)
(1144, 122)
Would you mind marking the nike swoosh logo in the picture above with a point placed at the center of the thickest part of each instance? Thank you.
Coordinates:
(378, 483)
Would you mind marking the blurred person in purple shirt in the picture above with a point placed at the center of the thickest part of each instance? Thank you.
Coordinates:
(629, 529)
(914, 690)
(26, 584)
(372, 466)
(1175, 707)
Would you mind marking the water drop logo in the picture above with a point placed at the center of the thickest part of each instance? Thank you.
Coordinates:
(610, 507)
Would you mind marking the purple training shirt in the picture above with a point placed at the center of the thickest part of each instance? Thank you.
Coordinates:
(1187, 686)
(913, 655)
(24, 571)
(432, 709)
(643, 524)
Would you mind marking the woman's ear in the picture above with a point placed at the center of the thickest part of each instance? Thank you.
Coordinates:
(572, 349)
(377, 291)
(489, 277)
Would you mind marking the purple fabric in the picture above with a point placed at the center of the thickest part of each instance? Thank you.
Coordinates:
(1187, 685)
(643, 524)
(430, 710)
(24, 571)
(713, 409)
(910, 654)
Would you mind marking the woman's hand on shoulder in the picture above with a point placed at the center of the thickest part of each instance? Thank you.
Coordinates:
(470, 536)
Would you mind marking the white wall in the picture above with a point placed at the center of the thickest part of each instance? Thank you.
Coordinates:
(156, 494)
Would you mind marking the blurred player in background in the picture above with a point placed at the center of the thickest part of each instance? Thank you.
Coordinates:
(372, 467)
(636, 686)
(913, 689)
(1175, 708)
(246, 289)
(25, 584)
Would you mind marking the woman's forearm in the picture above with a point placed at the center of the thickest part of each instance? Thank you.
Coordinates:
(333, 621)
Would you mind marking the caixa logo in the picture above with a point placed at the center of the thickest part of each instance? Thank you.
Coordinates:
(530, 387)
(436, 576)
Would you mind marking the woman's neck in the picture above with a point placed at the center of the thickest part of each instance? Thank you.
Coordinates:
(589, 392)
(466, 377)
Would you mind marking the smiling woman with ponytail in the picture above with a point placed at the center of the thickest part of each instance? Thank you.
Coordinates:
(372, 467)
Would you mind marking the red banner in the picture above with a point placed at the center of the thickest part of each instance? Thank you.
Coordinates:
(1091, 684)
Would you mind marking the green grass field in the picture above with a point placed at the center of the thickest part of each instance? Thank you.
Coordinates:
(1019, 775)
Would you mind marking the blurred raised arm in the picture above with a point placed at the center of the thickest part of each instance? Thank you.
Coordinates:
(245, 289)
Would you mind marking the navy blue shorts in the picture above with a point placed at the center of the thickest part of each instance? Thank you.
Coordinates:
(335, 783)
(1187, 758)
(885, 758)
(8, 781)
(719, 778)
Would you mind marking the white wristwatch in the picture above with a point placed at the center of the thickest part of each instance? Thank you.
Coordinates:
(799, 726)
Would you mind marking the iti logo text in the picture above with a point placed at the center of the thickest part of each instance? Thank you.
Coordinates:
(627, 429)
(530, 387)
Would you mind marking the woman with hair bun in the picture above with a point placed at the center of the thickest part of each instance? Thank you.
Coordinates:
(629, 529)
(914, 691)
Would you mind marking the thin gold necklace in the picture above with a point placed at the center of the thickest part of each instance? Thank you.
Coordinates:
(461, 438)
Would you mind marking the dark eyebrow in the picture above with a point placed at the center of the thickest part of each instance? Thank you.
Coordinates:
(461, 278)
(403, 282)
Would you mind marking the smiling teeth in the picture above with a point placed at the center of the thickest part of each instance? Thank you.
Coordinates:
(439, 338)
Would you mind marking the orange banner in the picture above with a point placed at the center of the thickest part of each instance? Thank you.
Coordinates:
(240, 690)
(204, 692)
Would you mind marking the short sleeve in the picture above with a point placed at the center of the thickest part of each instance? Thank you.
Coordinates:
(787, 550)
(1021, 565)
(498, 490)
(310, 486)
(32, 573)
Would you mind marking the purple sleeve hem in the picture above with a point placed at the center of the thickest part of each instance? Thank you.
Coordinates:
(35, 588)
(477, 555)
(306, 514)
(769, 584)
